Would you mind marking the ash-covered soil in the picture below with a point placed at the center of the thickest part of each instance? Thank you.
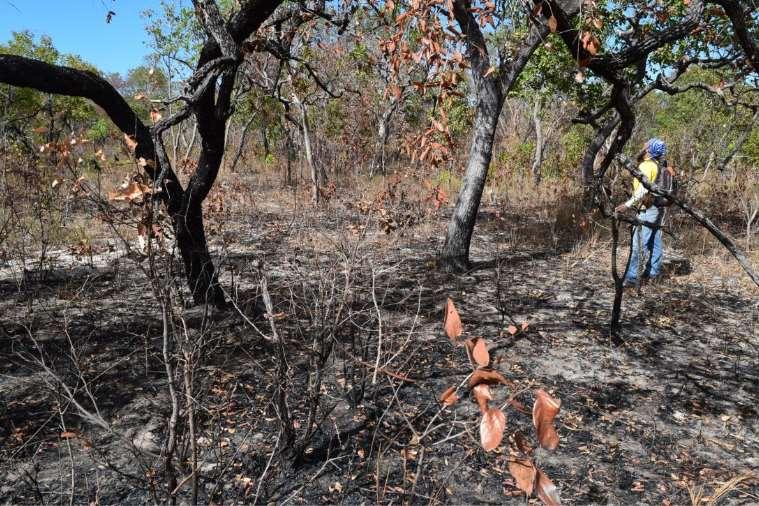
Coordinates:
(668, 414)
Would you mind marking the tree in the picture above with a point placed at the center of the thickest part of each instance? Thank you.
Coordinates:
(669, 39)
(516, 34)
(207, 96)
(490, 88)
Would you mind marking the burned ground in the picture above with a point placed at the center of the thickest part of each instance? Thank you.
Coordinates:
(668, 413)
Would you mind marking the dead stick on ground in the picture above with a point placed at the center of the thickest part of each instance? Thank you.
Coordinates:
(379, 329)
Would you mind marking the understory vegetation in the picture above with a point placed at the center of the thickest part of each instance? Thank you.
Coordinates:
(248, 272)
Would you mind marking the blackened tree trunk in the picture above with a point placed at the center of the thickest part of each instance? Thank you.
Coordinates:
(198, 264)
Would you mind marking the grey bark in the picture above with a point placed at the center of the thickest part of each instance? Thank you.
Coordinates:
(383, 132)
(537, 161)
(241, 145)
(306, 134)
(490, 91)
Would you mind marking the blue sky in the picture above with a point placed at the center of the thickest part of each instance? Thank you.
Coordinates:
(79, 27)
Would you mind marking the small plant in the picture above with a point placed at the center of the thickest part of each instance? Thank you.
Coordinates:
(528, 477)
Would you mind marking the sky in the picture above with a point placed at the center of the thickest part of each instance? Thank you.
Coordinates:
(79, 27)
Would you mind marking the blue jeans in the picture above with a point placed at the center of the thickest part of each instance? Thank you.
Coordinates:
(653, 248)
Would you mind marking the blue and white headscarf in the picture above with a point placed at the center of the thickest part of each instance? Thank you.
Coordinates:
(656, 148)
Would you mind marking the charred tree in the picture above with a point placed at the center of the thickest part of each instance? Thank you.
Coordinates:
(207, 96)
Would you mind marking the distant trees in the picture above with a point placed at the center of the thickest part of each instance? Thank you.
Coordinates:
(342, 83)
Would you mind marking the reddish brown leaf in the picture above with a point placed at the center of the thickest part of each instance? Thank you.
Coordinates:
(130, 142)
(155, 115)
(449, 397)
(68, 434)
(492, 426)
(518, 406)
(546, 490)
(487, 377)
(480, 353)
(129, 192)
(522, 443)
(524, 474)
(552, 24)
(452, 322)
(544, 411)
(591, 43)
(512, 329)
(482, 395)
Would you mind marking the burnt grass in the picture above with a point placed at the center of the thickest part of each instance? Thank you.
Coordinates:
(669, 412)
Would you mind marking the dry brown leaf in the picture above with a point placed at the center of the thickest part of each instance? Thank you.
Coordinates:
(452, 322)
(492, 426)
(155, 115)
(524, 474)
(512, 329)
(130, 142)
(552, 24)
(518, 406)
(142, 162)
(590, 43)
(522, 443)
(544, 411)
(487, 377)
(130, 192)
(525, 326)
(68, 434)
(598, 23)
(449, 397)
(482, 395)
(546, 490)
(480, 353)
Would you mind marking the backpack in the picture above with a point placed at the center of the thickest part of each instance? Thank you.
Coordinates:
(666, 179)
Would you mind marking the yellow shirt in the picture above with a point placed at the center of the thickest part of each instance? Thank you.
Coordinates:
(649, 169)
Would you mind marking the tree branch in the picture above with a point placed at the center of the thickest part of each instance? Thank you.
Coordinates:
(734, 11)
(60, 80)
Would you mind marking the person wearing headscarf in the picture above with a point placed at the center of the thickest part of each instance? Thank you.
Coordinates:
(646, 240)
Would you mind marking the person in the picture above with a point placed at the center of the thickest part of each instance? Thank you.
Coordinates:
(646, 240)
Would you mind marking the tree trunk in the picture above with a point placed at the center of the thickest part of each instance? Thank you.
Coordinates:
(383, 132)
(490, 90)
(306, 132)
(241, 146)
(199, 268)
(537, 162)
(290, 154)
(265, 139)
(455, 253)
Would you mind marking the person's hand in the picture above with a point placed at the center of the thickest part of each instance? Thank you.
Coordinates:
(621, 208)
